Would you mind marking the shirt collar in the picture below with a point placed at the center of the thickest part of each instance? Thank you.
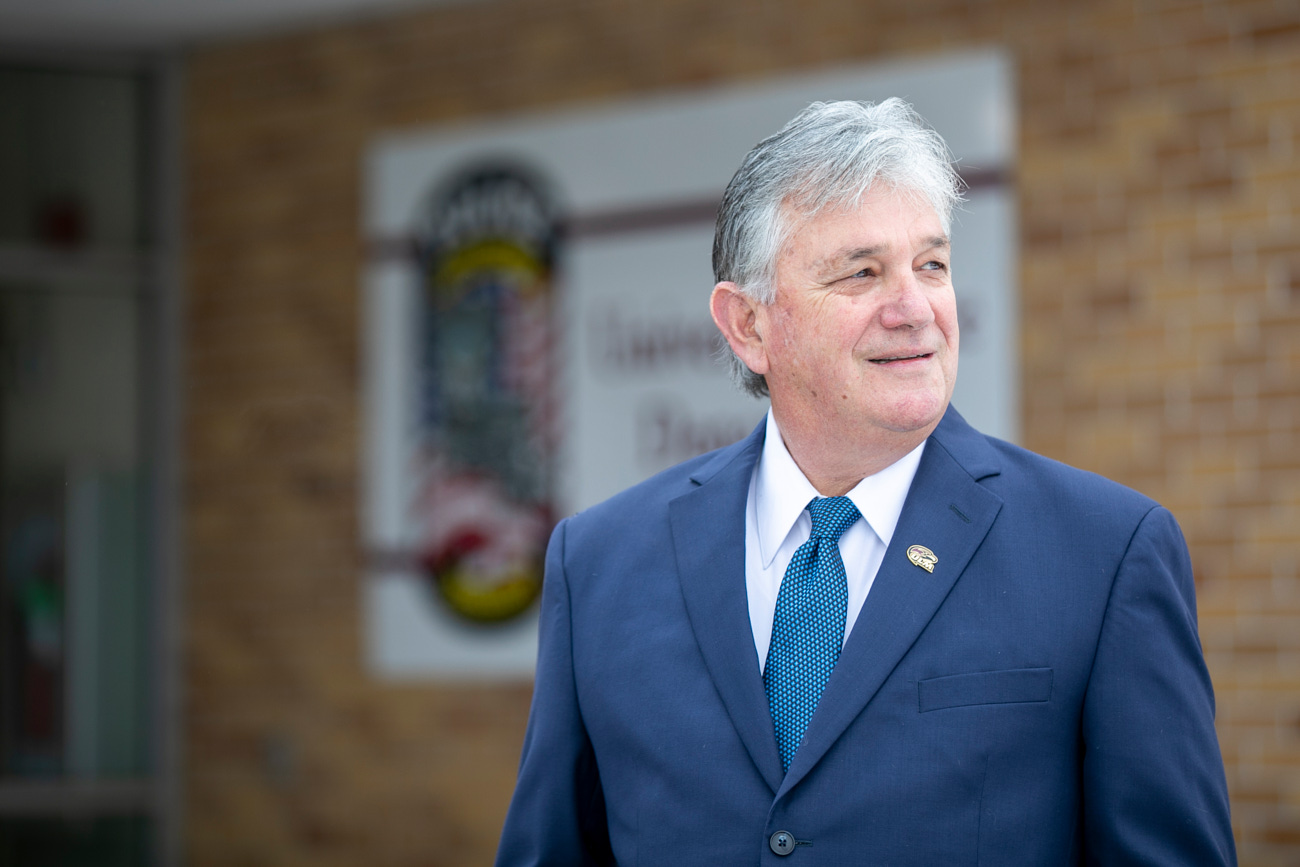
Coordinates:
(783, 492)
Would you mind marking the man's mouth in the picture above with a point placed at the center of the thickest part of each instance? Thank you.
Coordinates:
(888, 359)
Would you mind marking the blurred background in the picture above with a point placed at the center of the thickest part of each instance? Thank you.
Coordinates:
(184, 666)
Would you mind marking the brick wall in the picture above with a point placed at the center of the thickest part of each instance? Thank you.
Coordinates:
(1160, 278)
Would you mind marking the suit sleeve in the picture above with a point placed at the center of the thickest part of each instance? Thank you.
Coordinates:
(1153, 782)
(557, 814)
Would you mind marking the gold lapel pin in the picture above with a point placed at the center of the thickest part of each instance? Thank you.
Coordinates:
(923, 557)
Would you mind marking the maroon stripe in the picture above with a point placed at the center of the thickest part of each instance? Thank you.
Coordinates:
(644, 219)
(627, 221)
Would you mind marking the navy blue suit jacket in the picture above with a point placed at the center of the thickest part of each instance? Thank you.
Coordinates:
(1039, 699)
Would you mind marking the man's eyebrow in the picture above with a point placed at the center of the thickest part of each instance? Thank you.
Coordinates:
(852, 254)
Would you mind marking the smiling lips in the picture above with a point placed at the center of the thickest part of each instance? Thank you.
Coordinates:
(891, 358)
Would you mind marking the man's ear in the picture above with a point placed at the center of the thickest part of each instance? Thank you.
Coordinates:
(740, 319)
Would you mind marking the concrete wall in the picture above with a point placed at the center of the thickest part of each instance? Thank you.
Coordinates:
(1160, 275)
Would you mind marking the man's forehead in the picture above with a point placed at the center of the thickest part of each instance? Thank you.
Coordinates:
(850, 238)
(799, 215)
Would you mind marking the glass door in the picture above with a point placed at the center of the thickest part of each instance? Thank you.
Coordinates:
(79, 631)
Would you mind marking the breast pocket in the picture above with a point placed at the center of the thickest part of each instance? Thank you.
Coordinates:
(1010, 686)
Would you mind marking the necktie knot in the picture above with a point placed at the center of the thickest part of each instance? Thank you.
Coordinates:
(831, 516)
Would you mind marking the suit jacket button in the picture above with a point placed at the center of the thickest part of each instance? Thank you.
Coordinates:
(782, 843)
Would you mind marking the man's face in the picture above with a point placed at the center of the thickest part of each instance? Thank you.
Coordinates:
(863, 328)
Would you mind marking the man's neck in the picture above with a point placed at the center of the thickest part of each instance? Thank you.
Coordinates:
(834, 462)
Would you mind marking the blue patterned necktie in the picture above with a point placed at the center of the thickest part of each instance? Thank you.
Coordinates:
(808, 628)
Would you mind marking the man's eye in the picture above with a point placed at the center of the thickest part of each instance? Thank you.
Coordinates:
(935, 265)
(865, 272)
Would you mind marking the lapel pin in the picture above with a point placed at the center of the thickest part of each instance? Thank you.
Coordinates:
(923, 557)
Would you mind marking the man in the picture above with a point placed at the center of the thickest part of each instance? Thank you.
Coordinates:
(866, 634)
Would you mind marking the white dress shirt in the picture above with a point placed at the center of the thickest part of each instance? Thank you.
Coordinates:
(777, 523)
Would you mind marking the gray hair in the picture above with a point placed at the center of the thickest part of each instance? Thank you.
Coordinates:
(828, 157)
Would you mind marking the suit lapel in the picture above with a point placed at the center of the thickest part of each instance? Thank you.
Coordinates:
(948, 512)
(708, 528)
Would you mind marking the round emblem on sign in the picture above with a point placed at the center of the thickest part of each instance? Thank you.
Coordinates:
(487, 243)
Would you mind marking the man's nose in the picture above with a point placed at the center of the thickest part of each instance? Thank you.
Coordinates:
(908, 303)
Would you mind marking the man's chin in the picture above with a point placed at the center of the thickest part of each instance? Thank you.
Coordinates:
(915, 416)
